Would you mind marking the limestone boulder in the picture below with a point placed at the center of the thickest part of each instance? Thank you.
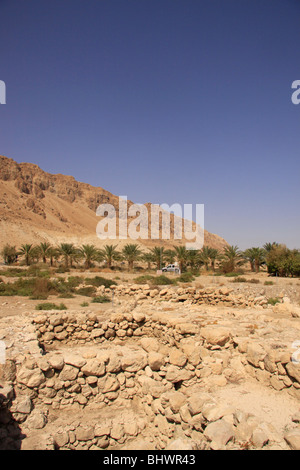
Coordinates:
(219, 433)
(30, 377)
(134, 361)
(216, 335)
(94, 367)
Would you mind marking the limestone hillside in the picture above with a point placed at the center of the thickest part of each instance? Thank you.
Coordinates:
(37, 206)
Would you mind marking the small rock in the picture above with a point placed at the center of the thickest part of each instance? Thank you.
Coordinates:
(292, 437)
(220, 432)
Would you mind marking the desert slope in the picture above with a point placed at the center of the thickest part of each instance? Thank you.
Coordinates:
(37, 206)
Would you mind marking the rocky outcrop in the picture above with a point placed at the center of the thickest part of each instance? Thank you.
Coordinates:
(35, 206)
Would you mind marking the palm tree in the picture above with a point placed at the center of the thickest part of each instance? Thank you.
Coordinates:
(53, 253)
(204, 256)
(43, 250)
(158, 255)
(269, 246)
(170, 256)
(249, 256)
(181, 256)
(110, 254)
(232, 258)
(147, 258)
(68, 252)
(131, 253)
(89, 253)
(213, 255)
(256, 257)
(26, 251)
(193, 259)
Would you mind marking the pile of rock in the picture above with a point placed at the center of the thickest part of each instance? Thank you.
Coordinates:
(209, 352)
(211, 296)
(82, 328)
(213, 425)
(272, 367)
(95, 436)
(168, 364)
(10, 432)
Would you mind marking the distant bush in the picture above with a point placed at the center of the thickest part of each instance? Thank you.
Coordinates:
(62, 270)
(88, 291)
(273, 301)
(283, 262)
(239, 279)
(154, 280)
(74, 281)
(50, 306)
(244, 279)
(145, 279)
(101, 299)
(14, 272)
(20, 287)
(84, 304)
(41, 288)
(186, 277)
(162, 280)
(269, 283)
(99, 281)
(9, 254)
(36, 271)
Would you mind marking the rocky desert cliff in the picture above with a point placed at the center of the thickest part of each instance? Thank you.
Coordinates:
(37, 206)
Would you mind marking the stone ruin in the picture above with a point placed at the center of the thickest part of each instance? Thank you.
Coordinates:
(138, 376)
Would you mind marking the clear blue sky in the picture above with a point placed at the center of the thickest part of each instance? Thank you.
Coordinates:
(165, 101)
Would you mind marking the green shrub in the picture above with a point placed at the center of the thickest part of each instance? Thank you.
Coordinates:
(50, 306)
(283, 262)
(67, 295)
(239, 279)
(269, 283)
(37, 271)
(145, 279)
(74, 281)
(88, 291)
(62, 270)
(21, 287)
(273, 300)
(84, 304)
(186, 277)
(101, 299)
(162, 280)
(99, 281)
(41, 288)
(14, 272)
(66, 288)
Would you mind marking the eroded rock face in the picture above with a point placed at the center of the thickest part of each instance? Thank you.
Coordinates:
(40, 203)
